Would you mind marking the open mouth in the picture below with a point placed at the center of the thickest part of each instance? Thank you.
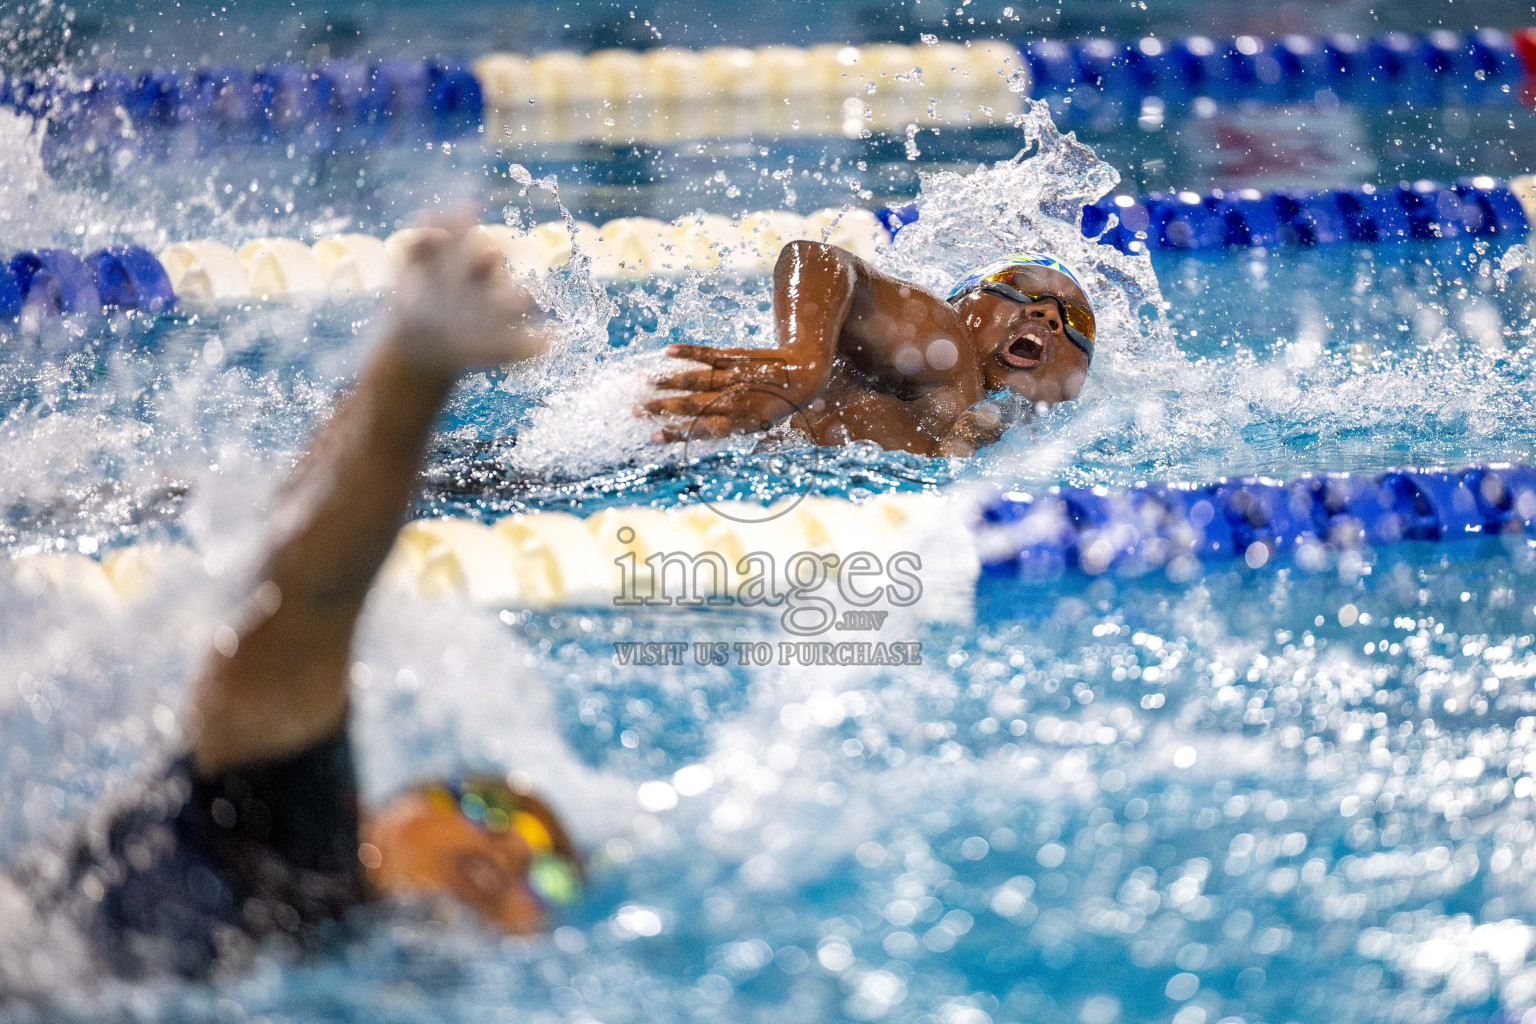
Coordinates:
(1023, 352)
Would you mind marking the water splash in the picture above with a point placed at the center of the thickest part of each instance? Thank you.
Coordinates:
(44, 164)
(1034, 202)
(34, 209)
(579, 307)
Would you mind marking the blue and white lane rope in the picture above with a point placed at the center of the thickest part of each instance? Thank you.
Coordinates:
(547, 558)
(1254, 520)
(1480, 207)
(1485, 67)
(337, 94)
(132, 278)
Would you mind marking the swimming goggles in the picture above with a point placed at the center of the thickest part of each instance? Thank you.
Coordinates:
(554, 873)
(1074, 335)
(1030, 277)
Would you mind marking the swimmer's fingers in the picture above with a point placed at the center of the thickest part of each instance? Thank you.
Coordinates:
(689, 380)
(727, 358)
(728, 367)
(428, 245)
(706, 354)
(482, 263)
(772, 375)
(716, 413)
(455, 307)
(685, 405)
(745, 405)
(694, 429)
(511, 295)
(436, 233)
(452, 223)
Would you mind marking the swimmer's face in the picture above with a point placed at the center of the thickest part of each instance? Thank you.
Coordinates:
(1024, 347)
(418, 847)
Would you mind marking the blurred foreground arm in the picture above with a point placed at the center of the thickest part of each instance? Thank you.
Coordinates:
(278, 684)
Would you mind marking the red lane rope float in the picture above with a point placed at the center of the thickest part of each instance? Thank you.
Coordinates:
(1525, 48)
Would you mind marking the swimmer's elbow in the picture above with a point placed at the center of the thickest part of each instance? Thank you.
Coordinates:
(803, 252)
(820, 265)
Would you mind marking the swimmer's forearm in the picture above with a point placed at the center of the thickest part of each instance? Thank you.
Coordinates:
(281, 686)
(276, 680)
(746, 389)
(813, 290)
(348, 500)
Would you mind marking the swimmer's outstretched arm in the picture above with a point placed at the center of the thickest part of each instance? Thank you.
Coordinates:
(829, 305)
(814, 287)
(279, 684)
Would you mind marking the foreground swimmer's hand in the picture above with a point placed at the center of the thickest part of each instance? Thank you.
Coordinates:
(456, 307)
(743, 389)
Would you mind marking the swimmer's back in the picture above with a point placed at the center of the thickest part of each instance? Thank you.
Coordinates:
(184, 872)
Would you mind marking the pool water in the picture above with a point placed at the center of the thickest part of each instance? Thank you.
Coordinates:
(1253, 795)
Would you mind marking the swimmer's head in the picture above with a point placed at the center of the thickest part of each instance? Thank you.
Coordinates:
(499, 852)
(1033, 321)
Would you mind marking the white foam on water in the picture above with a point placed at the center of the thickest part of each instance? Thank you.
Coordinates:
(39, 209)
(34, 210)
(590, 427)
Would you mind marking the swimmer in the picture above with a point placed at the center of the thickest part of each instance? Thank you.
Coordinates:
(863, 356)
(254, 832)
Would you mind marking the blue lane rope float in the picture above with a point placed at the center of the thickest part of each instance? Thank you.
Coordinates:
(1154, 526)
(128, 277)
(271, 101)
(10, 293)
(54, 281)
(1480, 207)
(1441, 67)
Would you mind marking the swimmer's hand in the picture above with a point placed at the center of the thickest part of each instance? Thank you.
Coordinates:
(457, 308)
(981, 425)
(743, 390)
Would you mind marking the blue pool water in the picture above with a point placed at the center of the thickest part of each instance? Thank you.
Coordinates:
(1267, 795)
